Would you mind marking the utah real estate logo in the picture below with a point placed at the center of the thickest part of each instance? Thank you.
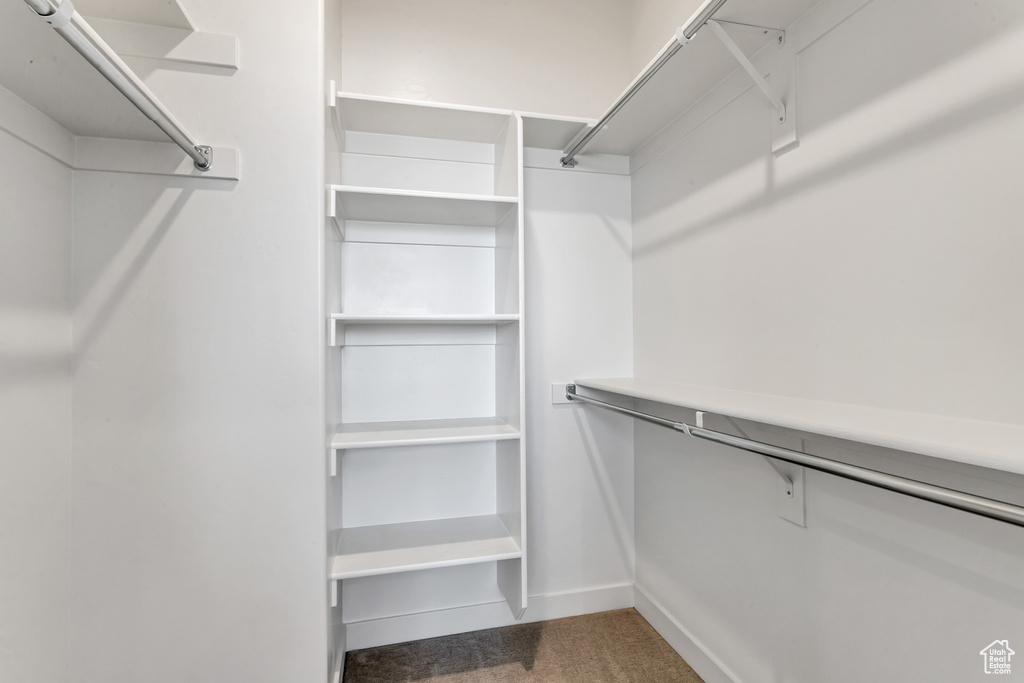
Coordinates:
(997, 657)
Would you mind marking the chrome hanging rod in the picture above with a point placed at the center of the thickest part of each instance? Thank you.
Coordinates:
(683, 35)
(76, 30)
(986, 507)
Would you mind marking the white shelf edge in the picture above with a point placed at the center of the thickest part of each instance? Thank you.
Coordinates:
(341, 94)
(421, 433)
(457, 196)
(468, 319)
(439, 543)
(992, 445)
(441, 319)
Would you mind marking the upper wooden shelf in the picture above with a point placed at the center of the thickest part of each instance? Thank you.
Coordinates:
(425, 319)
(693, 72)
(39, 66)
(552, 132)
(407, 206)
(993, 445)
(428, 544)
(421, 433)
(169, 13)
(339, 320)
(386, 116)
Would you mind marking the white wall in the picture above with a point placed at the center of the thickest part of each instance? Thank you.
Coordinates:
(35, 412)
(578, 324)
(568, 57)
(877, 264)
(874, 265)
(198, 477)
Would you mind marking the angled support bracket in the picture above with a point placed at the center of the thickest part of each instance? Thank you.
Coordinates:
(787, 482)
(791, 482)
(780, 86)
(777, 35)
(748, 66)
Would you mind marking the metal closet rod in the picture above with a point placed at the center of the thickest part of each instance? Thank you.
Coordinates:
(684, 34)
(986, 507)
(76, 30)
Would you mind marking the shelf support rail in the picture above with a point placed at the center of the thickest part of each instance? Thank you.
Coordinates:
(959, 500)
(748, 66)
(683, 35)
(81, 36)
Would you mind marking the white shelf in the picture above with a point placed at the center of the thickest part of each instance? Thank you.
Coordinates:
(426, 319)
(169, 13)
(393, 548)
(407, 206)
(39, 66)
(692, 73)
(386, 116)
(552, 132)
(460, 320)
(421, 432)
(993, 445)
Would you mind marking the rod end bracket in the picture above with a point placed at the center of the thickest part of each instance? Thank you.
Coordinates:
(207, 153)
(566, 162)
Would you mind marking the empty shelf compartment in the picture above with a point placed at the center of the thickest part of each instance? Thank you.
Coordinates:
(407, 206)
(408, 546)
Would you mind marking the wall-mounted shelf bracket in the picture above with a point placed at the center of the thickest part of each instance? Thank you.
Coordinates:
(777, 104)
(790, 482)
(779, 87)
(333, 209)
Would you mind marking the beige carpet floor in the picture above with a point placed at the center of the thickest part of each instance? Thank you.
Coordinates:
(609, 647)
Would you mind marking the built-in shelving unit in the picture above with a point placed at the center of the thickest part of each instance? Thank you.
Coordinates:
(986, 444)
(424, 272)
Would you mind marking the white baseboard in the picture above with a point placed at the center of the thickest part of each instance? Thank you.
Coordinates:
(705, 663)
(375, 632)
(338, 654)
